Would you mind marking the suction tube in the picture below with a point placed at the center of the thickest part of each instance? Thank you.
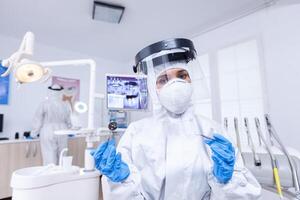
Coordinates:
(276, 137)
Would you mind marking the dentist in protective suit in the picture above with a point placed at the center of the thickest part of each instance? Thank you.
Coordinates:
(53, 114)
(164, 157)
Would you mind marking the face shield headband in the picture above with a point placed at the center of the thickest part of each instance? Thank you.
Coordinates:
(186, 54)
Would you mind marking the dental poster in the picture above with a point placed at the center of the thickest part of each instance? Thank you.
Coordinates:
(71, 92)
(4, 87)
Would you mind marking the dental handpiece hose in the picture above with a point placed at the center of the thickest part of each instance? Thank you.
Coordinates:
(257, 160)
(273, 159)
(273, 132)
(226, 123)
(277, 178)
(237, 133)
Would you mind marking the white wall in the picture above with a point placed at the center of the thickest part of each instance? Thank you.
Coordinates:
(278, 29)
(23, 101)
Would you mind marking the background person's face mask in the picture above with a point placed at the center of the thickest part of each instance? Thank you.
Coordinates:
(176, 95)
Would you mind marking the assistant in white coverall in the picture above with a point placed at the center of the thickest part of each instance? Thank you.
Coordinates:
(53, 114)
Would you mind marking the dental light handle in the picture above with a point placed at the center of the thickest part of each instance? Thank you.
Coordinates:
(257, 160)
(27, 44)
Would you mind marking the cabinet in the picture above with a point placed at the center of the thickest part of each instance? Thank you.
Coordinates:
(4, 171)
(16, 156)
(76, 147)
(21, 154)
(25, 154)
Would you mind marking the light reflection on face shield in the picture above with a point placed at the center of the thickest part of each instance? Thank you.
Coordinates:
(170, 74)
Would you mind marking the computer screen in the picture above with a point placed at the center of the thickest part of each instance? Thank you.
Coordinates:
(126, 92)
(1, 123)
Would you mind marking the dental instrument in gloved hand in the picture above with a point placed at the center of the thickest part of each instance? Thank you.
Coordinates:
(223, 156)
(257, 160)
(112, 126)
(109, 162)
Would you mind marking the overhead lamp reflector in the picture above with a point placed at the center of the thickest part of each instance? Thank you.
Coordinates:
(107, 12)
(29, 71)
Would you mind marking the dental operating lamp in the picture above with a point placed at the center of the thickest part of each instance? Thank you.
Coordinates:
(27, 71)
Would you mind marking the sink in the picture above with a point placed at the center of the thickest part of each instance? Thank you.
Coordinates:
(42, 175)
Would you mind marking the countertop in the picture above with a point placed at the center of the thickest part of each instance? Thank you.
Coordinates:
(103, 130)
(30, 140)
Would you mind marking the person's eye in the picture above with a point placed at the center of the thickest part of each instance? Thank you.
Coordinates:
(162, 80)
(183, 76)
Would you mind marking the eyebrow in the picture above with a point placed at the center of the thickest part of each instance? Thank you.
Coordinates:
(183, 70)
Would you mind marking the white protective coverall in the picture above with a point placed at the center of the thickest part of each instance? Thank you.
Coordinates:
(175, 165)
(168, 159)
(53, 114)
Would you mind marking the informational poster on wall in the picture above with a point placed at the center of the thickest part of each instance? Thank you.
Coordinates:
(4, 87)
(71, 92)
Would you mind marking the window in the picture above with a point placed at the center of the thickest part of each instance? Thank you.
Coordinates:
(234, 78)
(240, 84)
(204, 106)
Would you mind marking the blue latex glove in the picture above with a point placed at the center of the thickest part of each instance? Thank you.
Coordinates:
(110, 163)
(223, 155)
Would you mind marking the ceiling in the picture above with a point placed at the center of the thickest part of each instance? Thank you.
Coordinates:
(68, 24)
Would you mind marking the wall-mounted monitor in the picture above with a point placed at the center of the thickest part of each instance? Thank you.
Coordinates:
(1, 122)
(126, 92)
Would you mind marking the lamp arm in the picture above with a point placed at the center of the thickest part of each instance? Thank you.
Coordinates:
(12, 61)
(25, 50)
(27, 44)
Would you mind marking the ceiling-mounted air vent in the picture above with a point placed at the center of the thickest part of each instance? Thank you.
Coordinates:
(107, 12)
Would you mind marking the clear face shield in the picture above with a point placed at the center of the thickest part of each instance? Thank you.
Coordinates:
(174, 76)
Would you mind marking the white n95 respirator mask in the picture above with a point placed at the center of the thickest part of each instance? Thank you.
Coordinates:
(176, 95)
